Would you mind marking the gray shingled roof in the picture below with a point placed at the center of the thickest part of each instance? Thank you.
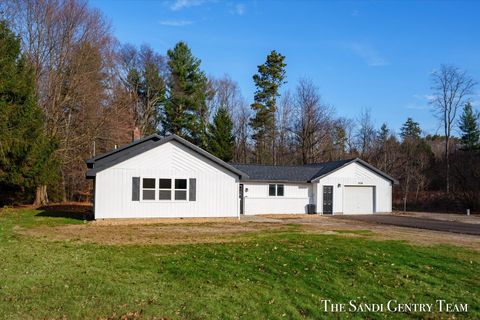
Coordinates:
(247, 172)
(302, 173)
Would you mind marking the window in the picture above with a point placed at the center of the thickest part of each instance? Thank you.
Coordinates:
(180, 189)
(279, 190)
(167, 189)
(165, 192)
(148, 189)
(276, 190)
(271, 190)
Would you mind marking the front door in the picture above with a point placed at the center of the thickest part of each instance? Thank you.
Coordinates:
(241, 199)
(327, 199)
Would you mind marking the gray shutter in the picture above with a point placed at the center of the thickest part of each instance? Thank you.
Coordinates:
(135, 188)
(192, 192)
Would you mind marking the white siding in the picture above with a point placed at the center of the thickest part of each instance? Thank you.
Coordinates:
(216, 190)
(355, 174)
(295, 199)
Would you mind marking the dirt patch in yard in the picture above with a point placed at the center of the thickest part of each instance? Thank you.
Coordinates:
(114, 232)
(174, 231)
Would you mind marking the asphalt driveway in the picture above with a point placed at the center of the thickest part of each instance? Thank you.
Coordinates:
(420, 223)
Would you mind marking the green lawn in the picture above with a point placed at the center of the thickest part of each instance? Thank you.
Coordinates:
(284, 275)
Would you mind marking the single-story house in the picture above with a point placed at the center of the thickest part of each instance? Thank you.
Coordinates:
(170, 177)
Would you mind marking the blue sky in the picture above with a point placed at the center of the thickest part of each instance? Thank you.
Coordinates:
(376, 55)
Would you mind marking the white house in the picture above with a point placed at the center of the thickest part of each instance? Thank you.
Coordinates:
(170, 177)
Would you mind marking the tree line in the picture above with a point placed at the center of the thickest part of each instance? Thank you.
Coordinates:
(70, 91)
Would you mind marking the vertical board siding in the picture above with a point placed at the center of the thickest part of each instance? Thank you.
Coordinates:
(216, 188)
(356, 174)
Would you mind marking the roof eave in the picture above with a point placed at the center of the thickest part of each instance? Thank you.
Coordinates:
(92, 172)
(274, 181)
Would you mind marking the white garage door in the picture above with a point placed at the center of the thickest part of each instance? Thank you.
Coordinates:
(358, 200)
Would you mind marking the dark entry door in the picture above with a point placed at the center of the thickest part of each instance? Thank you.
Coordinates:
(327, 199)
(241, 198)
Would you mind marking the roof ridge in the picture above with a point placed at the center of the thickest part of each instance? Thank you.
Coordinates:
(159, 140)
(291, 165)
(267, 165)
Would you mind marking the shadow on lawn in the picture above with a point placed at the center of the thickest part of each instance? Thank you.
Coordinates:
(69, 210)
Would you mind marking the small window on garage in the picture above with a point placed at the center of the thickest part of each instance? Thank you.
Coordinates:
(275, 190)
(180, 189)
(165, 189)
(148, 189)
(271, 190)
(280, 188)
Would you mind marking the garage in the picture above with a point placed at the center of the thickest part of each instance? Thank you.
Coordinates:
(359, 200)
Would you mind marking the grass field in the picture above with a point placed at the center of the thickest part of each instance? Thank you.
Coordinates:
(274, 274)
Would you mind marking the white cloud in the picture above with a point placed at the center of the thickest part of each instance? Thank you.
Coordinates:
(239, 9)
(175, 23)
(182, 4)
(424, 97)
(368, 53)
(422, 102)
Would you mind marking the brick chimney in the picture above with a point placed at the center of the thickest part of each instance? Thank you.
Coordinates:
(136, 134)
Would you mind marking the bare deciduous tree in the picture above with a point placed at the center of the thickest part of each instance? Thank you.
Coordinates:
(242, 133)
(313, 121)
(72, 51)
(451, 89)
(365, 135)
(284, 136)
(411, 163)
(143, 72)
(226, 94)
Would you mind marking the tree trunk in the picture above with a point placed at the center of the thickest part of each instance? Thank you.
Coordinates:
(64, 187)
(407, 182)
(447, 167)
(274, 151)
(41, 196)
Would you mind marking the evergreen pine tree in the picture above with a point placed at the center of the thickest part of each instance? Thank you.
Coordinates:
(470, 130)
(222, 142)
(340, 141)
(270, 76)
(25, 152)
(185, 111)
(410, 130)
(383, 133)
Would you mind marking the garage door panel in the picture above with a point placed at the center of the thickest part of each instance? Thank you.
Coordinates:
(358, 200)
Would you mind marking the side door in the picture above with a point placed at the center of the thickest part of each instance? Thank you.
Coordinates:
(327, 199)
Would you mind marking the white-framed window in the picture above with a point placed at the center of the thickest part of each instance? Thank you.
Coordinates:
(276, 190)
(148, 188)
(165, 189)
(180, 189)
